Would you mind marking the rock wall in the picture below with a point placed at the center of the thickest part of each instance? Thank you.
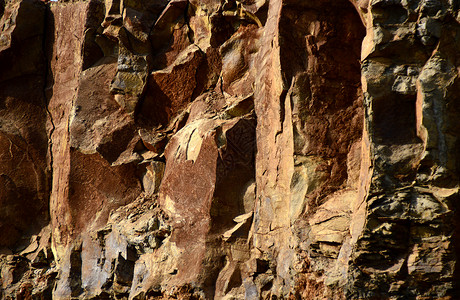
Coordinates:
(260, 149)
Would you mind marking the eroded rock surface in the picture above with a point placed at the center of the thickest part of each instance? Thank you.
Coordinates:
(269, 149)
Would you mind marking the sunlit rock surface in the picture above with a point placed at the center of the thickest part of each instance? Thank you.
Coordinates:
(222, 149)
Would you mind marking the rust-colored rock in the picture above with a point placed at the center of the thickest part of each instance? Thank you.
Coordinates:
(263, 149)
(24, 172)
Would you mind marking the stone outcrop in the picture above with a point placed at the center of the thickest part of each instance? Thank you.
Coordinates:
(269, 149)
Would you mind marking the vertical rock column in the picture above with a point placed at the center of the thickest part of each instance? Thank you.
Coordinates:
(66, 28)
(274, 164)
(405, 247)
(92, 141)
(308, 101)
(24, 184)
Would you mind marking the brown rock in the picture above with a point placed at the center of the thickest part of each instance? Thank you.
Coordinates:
(229, 149)
(170, 90)
(24, 196)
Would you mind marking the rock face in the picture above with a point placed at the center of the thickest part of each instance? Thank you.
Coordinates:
(269, 149)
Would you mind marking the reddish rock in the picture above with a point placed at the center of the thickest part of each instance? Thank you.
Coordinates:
(195, 158)
(229, 149)
(76, 163)
(170, 90)
(24, 199)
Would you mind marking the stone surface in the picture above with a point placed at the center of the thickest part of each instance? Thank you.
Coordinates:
(24, 170)
(260, 149)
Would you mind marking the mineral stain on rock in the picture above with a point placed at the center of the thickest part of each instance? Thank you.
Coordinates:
(225, 149)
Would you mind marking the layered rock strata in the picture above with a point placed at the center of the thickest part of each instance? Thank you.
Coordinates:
(270, 149)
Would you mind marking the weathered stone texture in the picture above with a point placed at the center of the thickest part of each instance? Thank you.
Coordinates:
(261, 149)
(24, 173)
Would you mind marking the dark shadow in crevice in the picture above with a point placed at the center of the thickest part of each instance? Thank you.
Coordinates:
(235, 171)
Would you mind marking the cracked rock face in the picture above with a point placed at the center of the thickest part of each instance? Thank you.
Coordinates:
(261, 149)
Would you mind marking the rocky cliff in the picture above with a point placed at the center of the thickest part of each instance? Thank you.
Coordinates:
(225, 149)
